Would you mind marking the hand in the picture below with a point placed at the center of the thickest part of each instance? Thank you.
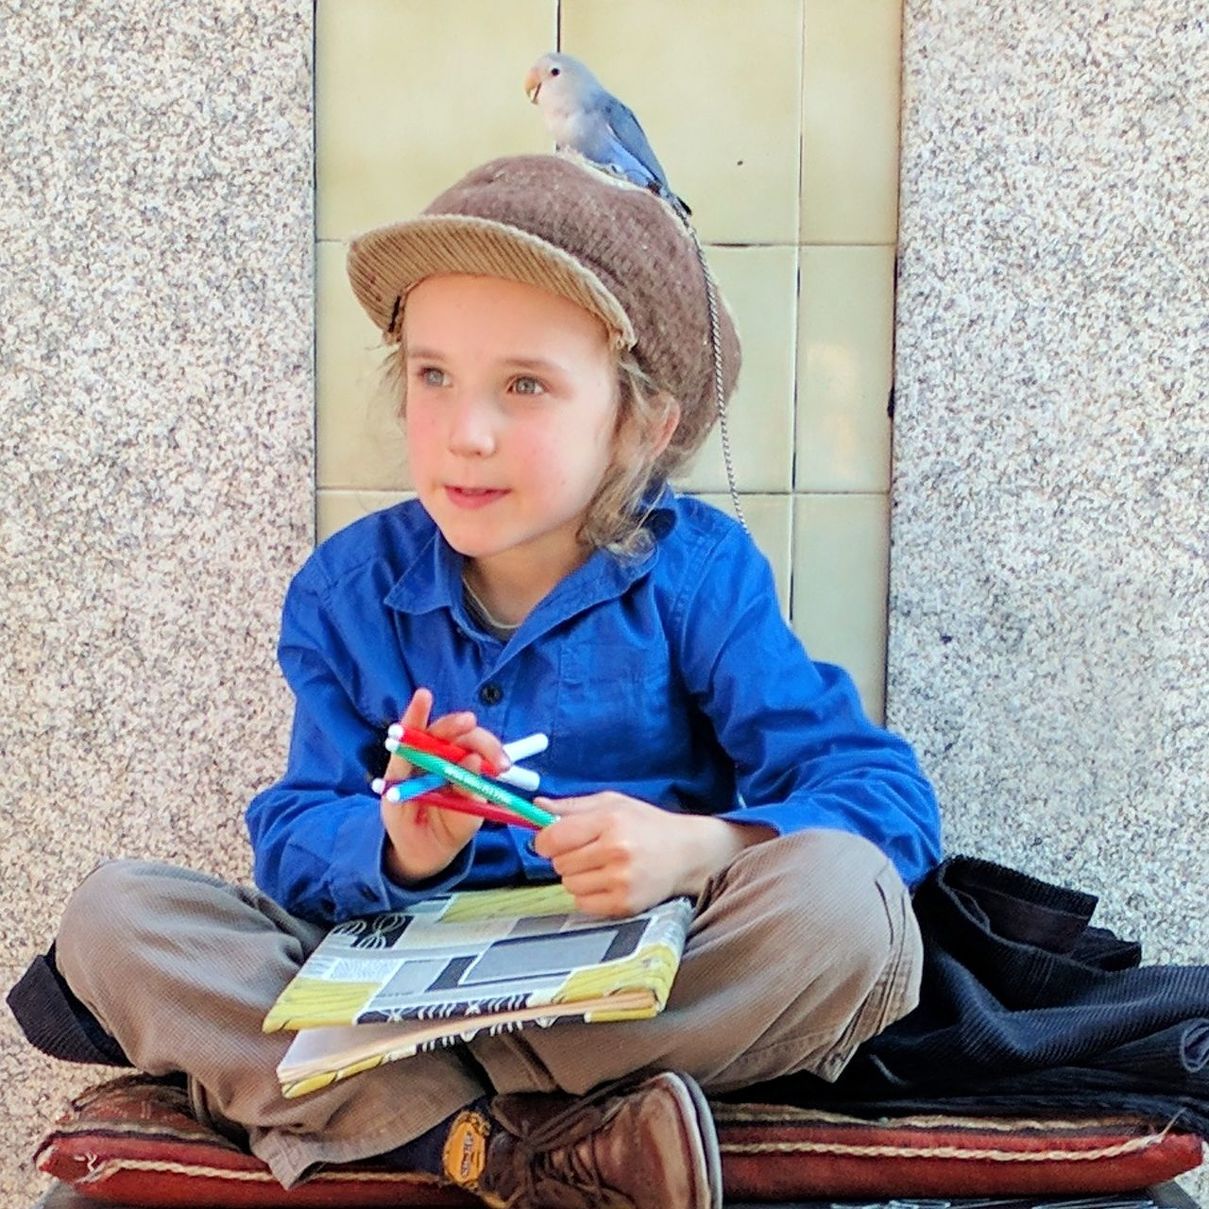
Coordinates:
(617, 855)
(422, 839)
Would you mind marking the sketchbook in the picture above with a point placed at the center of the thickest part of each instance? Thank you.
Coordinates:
(389, 986)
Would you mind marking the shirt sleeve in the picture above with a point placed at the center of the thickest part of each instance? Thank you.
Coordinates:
(317, 835)
(805, 753)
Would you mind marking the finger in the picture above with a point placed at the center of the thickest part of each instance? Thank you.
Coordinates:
(450, 828)
(569, 833)
(450, 726)
(604, 903)
(582, 862)
(587, 803)
(418, 710)
(486, 745)
(416, 714)
(455, 826)
(473, 738)
(590, 881)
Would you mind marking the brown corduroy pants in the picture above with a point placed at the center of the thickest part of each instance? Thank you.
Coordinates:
(802, 948)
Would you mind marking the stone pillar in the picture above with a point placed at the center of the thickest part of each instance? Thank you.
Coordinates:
(1049, 624)
(155, 450)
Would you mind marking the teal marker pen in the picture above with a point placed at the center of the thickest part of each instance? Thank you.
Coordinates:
(471, 781)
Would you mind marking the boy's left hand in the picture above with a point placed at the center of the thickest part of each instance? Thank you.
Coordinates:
(617, 855)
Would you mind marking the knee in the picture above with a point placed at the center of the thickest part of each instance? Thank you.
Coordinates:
(101, 916)
(839, 896)
(868, 903)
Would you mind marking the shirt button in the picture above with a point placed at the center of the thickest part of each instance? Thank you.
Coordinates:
(491, 694)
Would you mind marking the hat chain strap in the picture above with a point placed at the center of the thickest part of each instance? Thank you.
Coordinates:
(711, 297)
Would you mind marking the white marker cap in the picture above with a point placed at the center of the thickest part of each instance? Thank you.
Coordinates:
(528, 745)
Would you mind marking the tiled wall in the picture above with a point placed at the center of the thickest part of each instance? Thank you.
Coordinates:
(780, 128)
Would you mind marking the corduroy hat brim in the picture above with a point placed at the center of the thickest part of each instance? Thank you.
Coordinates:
(392, 260)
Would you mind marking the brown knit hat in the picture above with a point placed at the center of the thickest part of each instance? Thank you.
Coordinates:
(613, 248)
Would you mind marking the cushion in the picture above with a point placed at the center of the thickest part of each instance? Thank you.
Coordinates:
(133, 1141)
(775, 1152)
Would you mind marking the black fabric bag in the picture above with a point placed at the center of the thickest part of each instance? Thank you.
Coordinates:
(1025, 1006)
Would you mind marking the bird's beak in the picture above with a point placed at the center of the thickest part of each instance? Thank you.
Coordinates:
(533, 85)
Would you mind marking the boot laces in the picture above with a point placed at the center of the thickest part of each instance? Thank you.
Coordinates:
(541, 1164)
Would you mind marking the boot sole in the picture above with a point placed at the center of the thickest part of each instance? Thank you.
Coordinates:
(709, 1137)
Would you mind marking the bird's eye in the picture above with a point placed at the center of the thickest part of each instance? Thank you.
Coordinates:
(555, 70)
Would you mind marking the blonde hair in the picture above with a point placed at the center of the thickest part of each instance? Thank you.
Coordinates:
(614, 519)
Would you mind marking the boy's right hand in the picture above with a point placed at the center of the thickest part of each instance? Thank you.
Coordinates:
(421, 840)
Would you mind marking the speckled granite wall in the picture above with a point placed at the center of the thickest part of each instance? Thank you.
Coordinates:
(1049, 621)
(155, 450)
(1049, 625)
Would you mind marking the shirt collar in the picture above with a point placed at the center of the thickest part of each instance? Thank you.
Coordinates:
(434, 579)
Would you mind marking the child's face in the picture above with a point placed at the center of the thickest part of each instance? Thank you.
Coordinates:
(511, 413)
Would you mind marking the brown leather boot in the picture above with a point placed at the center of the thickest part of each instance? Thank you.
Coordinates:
(647, 1143)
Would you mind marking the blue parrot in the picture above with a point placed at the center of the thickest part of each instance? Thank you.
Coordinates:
(583, 116)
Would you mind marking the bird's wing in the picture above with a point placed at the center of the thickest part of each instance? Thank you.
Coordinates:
(629, 134)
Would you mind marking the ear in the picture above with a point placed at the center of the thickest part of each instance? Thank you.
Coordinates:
(666, 427)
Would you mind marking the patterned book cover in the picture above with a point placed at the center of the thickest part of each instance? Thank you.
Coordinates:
(388, 986)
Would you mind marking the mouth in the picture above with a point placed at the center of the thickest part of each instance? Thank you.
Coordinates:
(533, 86)
(473, 497)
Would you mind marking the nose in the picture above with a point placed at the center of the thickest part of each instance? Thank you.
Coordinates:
(472, 428)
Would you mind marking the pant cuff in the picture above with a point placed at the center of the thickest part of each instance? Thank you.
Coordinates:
(291, 1157)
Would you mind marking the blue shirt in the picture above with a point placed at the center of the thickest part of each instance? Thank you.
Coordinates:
(671, 677)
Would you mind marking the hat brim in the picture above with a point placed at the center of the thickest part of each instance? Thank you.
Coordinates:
(385, 264)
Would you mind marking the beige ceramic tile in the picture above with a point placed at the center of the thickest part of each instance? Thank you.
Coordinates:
(841, 550)
(411, 94)
(850, 114)
(716, 86)
(769, 517)
(845, 368)
(358, 442)
(335, 509)
(760, 286)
